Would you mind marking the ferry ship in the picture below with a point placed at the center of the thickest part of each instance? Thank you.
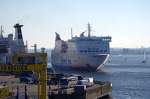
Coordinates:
(82, 53)
(11, 45)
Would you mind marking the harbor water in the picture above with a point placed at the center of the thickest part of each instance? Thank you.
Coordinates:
(131, 80)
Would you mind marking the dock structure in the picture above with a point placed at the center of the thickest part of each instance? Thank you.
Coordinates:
(100, 90)
(67, 89)
(22, 63)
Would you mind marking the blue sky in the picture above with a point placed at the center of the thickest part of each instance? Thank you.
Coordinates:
(127, 21)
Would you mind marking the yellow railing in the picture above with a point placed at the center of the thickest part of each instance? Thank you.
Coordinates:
(40, 69)
(4, 91)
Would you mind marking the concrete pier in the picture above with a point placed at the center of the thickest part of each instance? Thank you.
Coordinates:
(100, 90)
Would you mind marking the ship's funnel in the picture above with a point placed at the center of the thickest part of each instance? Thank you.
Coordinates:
(18, 32)
(18, 37)
(57, 36)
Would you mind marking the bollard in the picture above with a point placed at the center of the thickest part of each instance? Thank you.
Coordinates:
(17, 96)
(49, 95)
(26, 94)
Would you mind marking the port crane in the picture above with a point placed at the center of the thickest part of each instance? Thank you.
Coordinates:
(40, 68)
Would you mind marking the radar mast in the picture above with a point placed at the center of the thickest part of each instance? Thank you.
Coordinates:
(89, 30)
(1, 32)
(71, 33)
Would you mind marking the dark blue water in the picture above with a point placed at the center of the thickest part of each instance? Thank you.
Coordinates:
(129, 82)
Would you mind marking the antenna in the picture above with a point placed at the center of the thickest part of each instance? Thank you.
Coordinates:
(26, 46)
(71, 33)
(35, 48)
(1, 32)
(26, 43)
(35, 51)
(89, 30)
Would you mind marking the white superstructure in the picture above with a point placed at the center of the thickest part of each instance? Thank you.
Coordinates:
(84, 52)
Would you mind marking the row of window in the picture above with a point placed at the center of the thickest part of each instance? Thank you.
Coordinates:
(65, 61)
(85, 51)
